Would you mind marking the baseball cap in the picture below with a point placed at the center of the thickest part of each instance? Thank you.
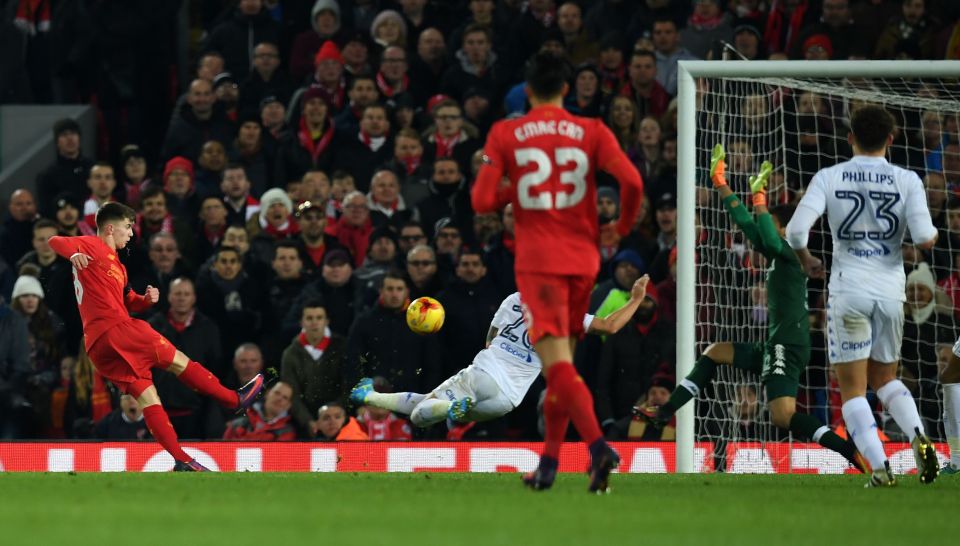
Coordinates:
(666, 201)
(336, 257)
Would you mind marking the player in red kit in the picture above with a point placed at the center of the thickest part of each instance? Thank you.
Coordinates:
(550, 158)
(124, 349)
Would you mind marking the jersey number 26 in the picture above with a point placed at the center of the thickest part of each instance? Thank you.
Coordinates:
(576, 177)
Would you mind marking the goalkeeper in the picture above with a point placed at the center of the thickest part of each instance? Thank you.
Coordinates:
(780, 360)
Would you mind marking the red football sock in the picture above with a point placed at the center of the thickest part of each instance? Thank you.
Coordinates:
(575, 396)
(556, 421)
(159, 425)
(201, 380)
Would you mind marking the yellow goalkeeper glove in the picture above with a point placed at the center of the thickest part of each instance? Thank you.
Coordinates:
(758, 184)
(718, 166)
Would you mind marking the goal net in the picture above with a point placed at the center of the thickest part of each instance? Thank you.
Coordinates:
(800, 124)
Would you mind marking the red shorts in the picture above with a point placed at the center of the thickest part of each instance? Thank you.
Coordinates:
(125, 353)
(554, 305)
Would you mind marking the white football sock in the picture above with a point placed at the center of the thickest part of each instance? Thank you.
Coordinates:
(429, 411)
(899, 403)
(862, 428)
(951, 420)
(400, 402)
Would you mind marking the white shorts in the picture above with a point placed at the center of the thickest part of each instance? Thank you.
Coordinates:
(478, 385)
(860, 328)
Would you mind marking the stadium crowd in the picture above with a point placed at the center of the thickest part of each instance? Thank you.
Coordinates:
(312, 175)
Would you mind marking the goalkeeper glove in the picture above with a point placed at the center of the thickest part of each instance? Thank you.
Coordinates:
(758, 184)
(718, 166)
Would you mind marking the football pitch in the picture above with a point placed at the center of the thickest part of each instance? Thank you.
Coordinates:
(463, 509)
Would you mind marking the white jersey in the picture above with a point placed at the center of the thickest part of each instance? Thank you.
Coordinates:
(510, 359)
(869, 204)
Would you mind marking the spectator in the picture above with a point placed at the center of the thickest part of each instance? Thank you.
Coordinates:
(380, 424)
(585, 98)
(381, 256)
(748, 40)
(333, 423)
(313, 366)
(666, 217)
(247, 363)
(845, 35)
(642, 87)
(241, 206)
(231, 297)
(910, 31)
(234, 37)
(387, 207)
(475, 65)
(166, 264)
(501, 255)
(273, 117)
(632, 428)
(274, 222)
(609, 15)
(361, 92)
(470, 301)
(648, 154)
(388, 29)
(200, 120)
(326, 23)
(255, 153)
(608, 211)
(155, 218)
(14, 369)
(356, 54)
(611, 65)
(133, 174)
(227, 92)
(266, 80)
(336, 287)
(181, 193)
(101, 184)
(313, 242)
(486, 227)
(537, 20)
(817, 47)
(213, 226)
(17, 228)
(408, 163)
(88, 399)
(623, 120)
(69, 170)
(361, 152)
(311, 144)
(666, 41)
(353, 229)
(328, 77)
(192, 330)
(67, 215)
(380, 343)
(123, 423)
(212, 161)
(392, 79)
(411, 235)
(422, 272)
(786, 21)
(612, 294)
(209, 65)
(429, 65)
(449, 197)
(708, 25)
(266, 421)
(450, 138)
(448, 242)
(580, 47)
(646, 343)
(46, 344)
(56, 279)
(287, 284)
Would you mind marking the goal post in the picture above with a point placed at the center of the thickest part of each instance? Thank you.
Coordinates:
(773, 80)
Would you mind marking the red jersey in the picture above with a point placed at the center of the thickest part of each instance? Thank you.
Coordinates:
(392, 428)
(101, 288)
(551, 158)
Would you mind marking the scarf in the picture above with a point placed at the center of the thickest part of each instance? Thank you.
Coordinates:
(445, 146)
(410, 164)
(33, 16)
(336, 97)
(644, 328)
(142, 230)
(705, 23)
(775, 26)
(372, 142)
(213, 237)
(610, 79)
(286, 229)
(388, 90)
(179, 327)
(315, 147)
(315, 350)
(316, 253)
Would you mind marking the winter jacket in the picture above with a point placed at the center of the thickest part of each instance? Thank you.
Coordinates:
(63, 175)
(314, 382)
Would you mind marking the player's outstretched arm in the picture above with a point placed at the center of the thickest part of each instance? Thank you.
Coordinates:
(619, 318)
(136, 303)
(730, 200)
(612, 160)
(808, 211)
(68, 249)
(488, 193)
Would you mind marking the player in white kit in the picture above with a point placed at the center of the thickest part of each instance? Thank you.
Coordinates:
(500, 375)
(870, 204)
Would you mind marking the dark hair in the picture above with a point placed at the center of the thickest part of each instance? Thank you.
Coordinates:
(473, 28)
(871, 125)
(313, 303)
(364, 76)
(783, 213)
(113, 211)
(642, 53)
(394, 273)
(286, 243)
(471, 251)
(45, 223)
(377, 106)
(150, 192)
(233, 165)
(546, 74)
(101, 163)
(665, 19)
(226, 248)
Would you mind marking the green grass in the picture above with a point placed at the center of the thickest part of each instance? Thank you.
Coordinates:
(461, 509)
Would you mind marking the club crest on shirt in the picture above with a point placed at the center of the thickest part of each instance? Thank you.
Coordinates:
(112, 256)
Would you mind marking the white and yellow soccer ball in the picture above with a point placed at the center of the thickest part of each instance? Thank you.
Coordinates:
(425, 315)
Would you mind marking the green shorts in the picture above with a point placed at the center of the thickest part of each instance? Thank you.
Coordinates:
(779, 366)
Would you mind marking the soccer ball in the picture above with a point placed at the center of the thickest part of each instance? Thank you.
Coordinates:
(425, 315)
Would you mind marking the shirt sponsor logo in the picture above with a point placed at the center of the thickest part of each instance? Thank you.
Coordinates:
(522, 355)
(869, 252)
(854, 345)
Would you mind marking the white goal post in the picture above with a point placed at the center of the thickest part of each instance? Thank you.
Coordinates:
(688, 171)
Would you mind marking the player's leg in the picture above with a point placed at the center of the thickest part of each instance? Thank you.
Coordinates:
(198, 378)
(783, 414)
(158, 422)
(717, 354)
(430, 411)
(950, 379)
(434, 408)
(401, 402)
(489, 401)
(896, 398)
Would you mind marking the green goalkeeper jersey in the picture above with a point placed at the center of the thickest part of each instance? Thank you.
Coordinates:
(786, 283)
